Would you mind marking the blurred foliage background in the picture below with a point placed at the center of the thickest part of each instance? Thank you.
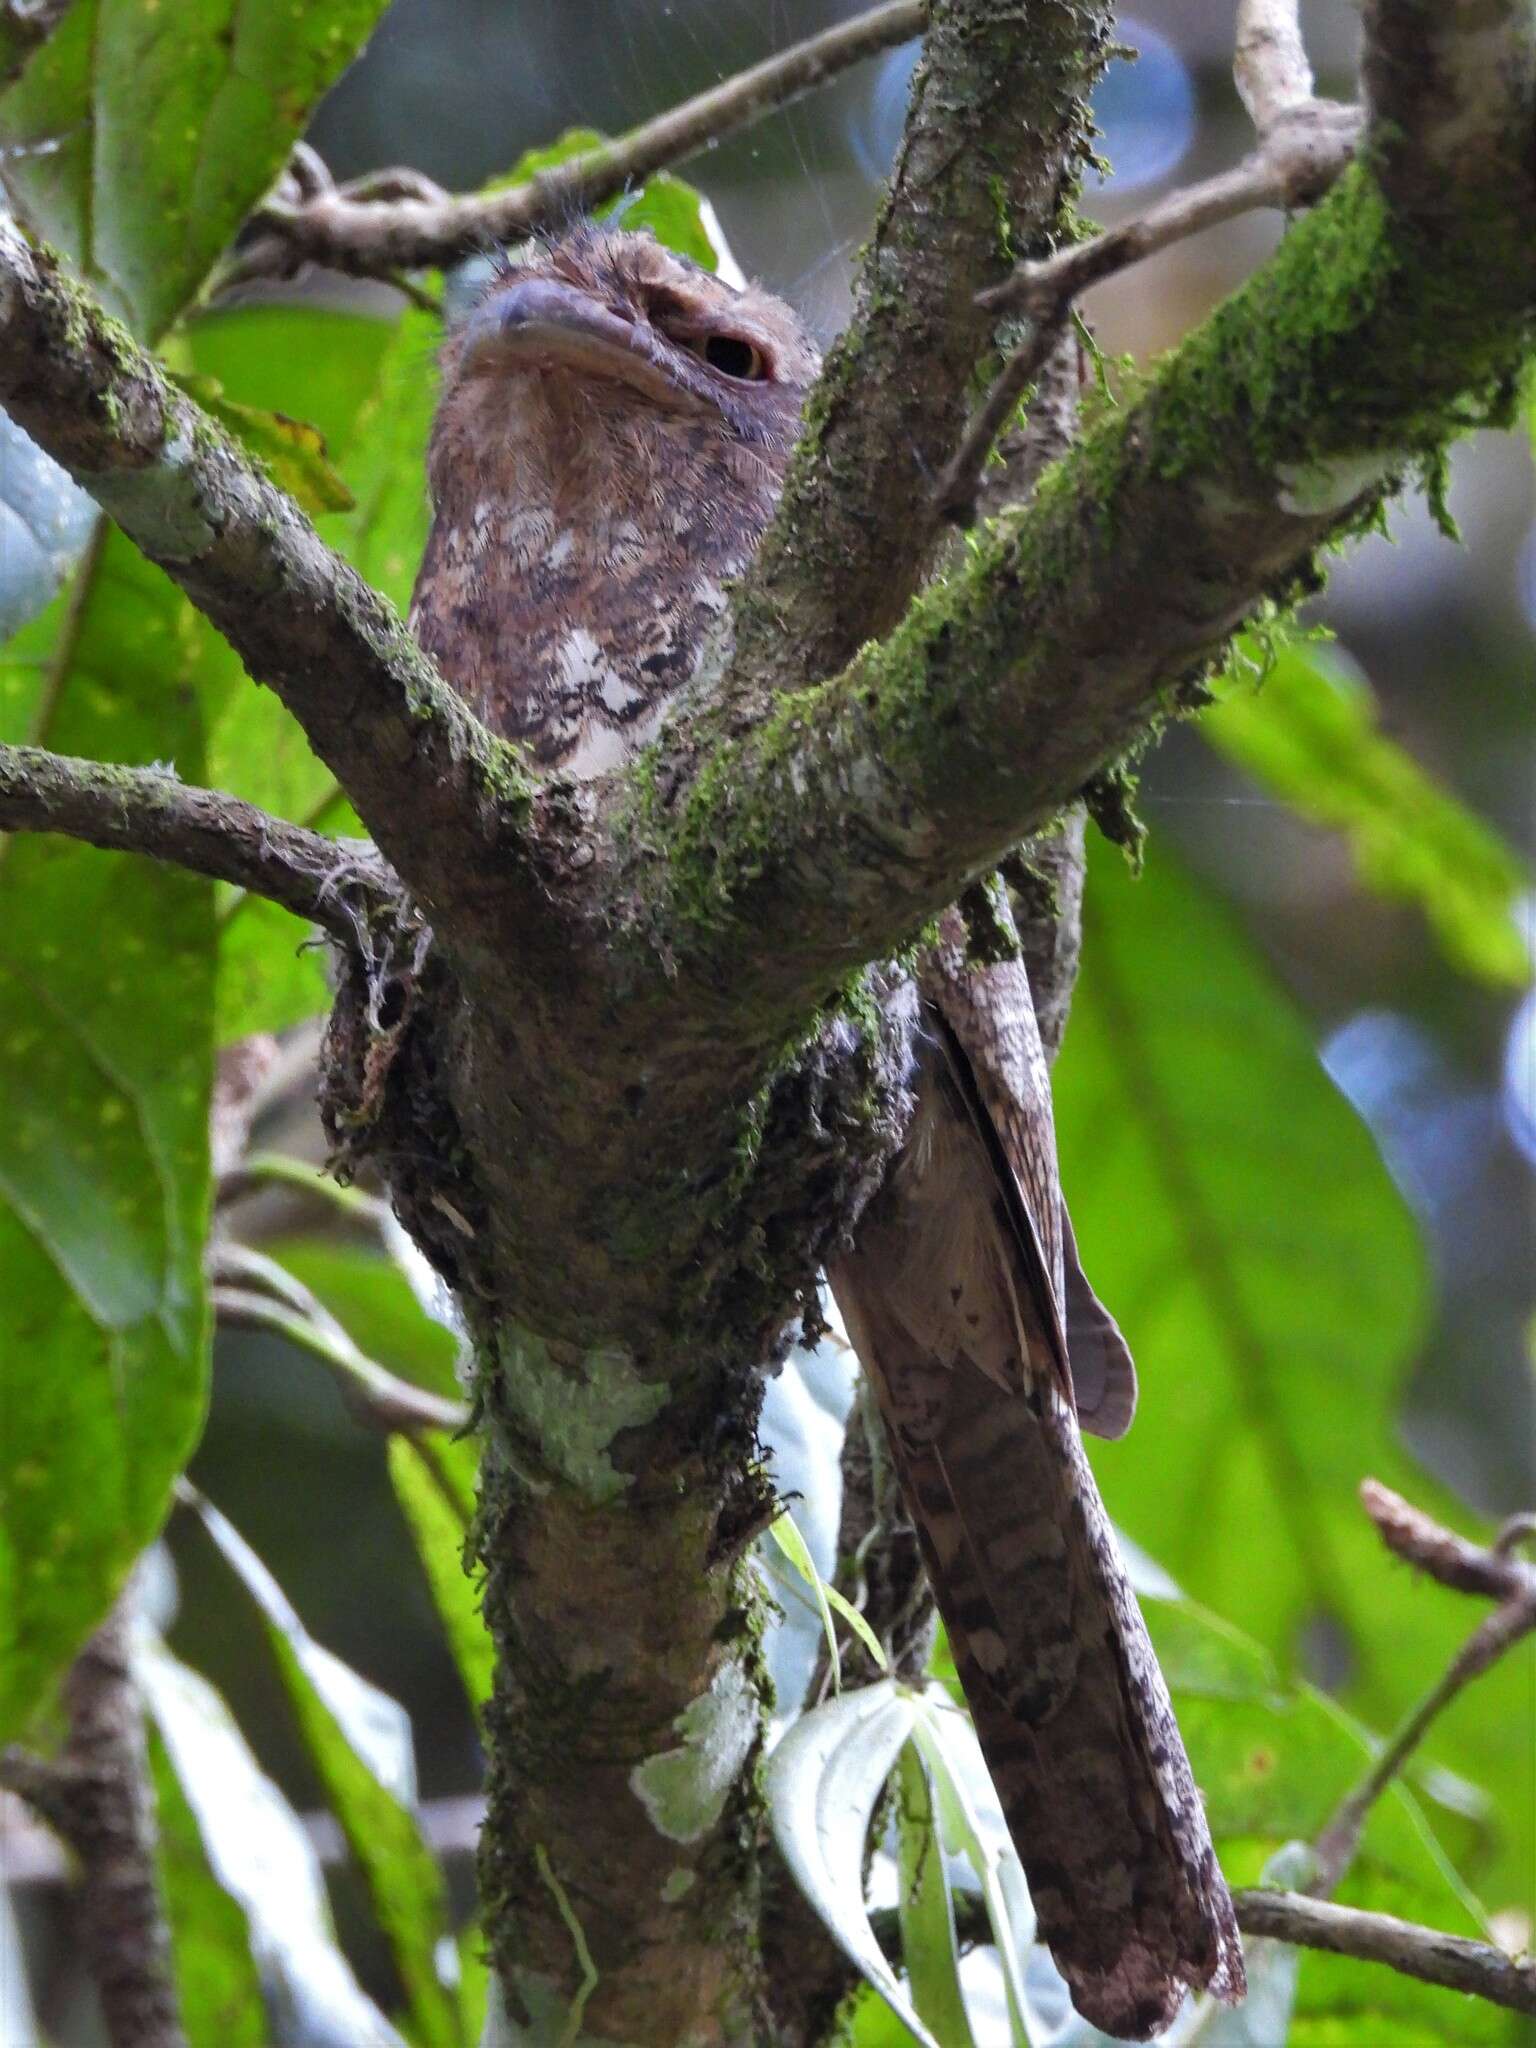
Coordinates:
(1297, 1101)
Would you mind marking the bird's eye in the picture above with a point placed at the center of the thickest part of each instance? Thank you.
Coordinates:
(733, 357)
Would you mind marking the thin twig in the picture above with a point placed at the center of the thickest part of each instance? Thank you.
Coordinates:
(1296, 163)
(1423, 1952)
(1269, 62)
(147, 810)
(1303, 145)
(375, 237)
(1423, 1542)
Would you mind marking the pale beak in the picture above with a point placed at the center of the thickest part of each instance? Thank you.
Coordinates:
(539, 323)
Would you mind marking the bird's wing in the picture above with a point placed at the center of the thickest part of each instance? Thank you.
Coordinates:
(951, 1295)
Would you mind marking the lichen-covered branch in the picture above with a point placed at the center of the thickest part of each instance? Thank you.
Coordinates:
(400, 225)
(1295, 163)
(147, 810)
(418, 768)
(995, 128)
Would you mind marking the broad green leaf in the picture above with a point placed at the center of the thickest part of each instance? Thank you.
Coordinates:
(822, 1783)
(1236, 1217)
(105, 1066)
(292, 451)
(1310, 733)
(358, 1742)
(141, 135)
(434, 1480)
(217, 1985)
(255, 1848)
(929, 1952)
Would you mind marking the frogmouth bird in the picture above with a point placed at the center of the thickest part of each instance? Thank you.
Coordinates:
(611, 441)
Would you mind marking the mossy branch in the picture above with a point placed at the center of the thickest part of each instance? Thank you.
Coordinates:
(147, 810)
(420, 770)
(1391, 319)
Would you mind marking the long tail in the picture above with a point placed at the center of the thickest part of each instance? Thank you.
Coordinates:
(961, 1297)
(1068, 1701)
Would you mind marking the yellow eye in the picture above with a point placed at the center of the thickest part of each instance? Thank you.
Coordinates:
(734, 357)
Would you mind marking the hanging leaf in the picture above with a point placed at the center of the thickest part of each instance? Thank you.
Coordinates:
(434, 1480)
(218, 1987)
(253, 1848)
(930, 1953)
(788, 1539)
(359, 1742)
(822, 1783)
(144, 206)
(971, 1825)
(1310, 733)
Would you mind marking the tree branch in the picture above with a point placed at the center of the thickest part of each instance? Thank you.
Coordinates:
(99, 1798)
(1423, 1952)
(1303, 146)
(146, 810)
(1392, 317)
(430, 783)
(995, 128)
(402, 228)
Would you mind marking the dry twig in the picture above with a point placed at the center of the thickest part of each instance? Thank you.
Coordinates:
(385, 224)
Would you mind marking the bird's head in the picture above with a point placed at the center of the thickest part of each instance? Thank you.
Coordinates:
(603, 364)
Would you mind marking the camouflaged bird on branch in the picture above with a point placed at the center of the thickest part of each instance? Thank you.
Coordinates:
(610, 445)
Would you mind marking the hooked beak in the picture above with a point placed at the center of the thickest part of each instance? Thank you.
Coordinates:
(538, 323)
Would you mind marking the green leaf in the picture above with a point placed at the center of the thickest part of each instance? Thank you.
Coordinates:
(1237, 1218)
(434, 1480)
(971, 1825)
(291, 451)
(789, 1540)
(217, 1986)
(929, 1951)
(141, 135)
(353, 1737)
(371, 1297)
(254, 1847)
(1310, 733)
(368, 388)
(106, 1050)
(822, 1783)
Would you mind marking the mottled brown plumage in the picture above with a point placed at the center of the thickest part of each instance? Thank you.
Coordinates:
(611, 442)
